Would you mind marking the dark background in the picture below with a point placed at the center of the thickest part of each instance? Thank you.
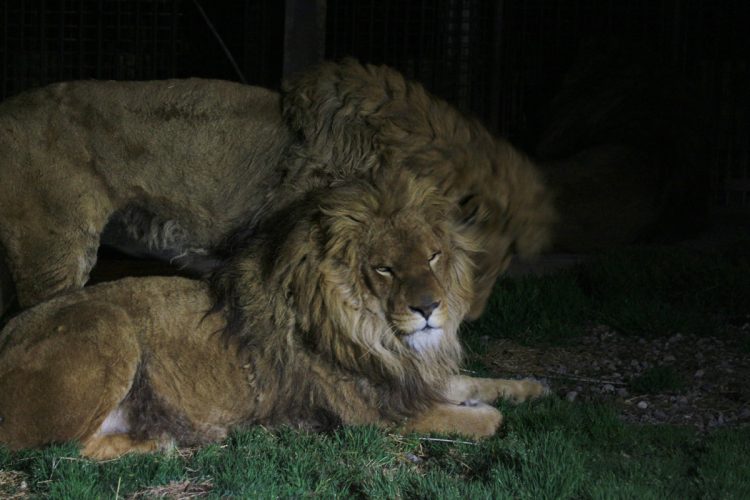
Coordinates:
(502, 60)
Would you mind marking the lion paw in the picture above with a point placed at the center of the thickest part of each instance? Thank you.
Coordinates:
(524, 390)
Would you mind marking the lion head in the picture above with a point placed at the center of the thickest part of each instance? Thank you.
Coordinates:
(370, 275)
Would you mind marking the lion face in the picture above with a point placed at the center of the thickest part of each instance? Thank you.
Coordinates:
(406, 271)
(395, 255)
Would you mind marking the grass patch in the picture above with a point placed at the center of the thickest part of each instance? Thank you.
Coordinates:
(533, 309)
(551, 449)
(647, 291)
(657, 379)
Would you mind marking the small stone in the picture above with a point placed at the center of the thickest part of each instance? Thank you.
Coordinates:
(622, 392)
(608, 388)
(616, 375)
(412, 458)
(699, 373)
(744, 413)
(660, 415)
(571, 396)
(683, 400)
(642, 405)
(676, 337)
(669, 358)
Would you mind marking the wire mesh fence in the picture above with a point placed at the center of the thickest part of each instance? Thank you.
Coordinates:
(502, 60)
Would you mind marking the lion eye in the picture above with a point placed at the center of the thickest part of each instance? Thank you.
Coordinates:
(384, 270)
(435, 257)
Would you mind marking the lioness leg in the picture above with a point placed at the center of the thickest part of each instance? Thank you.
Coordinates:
(63, 369)
(462, 388)
(476, 421)
(52, 258)
(51, 233)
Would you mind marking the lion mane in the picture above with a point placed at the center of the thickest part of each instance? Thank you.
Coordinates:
(325, 304)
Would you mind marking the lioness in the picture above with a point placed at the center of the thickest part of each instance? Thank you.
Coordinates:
(183, 169)
(345, 312)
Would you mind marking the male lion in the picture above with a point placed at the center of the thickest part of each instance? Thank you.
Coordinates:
(346, 312)
(182, 169)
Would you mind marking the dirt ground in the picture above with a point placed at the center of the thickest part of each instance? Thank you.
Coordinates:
(681, 379)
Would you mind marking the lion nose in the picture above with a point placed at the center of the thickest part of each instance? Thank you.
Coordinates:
(425, 309)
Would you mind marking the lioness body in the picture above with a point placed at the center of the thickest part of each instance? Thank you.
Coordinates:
(327, 321)
(194, 159)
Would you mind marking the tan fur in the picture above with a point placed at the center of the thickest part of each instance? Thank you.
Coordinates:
(307, 331)
(182, 169)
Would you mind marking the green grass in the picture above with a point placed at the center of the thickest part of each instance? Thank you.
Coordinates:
(551, 449)
(548, 449)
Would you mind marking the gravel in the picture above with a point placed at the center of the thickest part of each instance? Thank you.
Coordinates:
(709, 389)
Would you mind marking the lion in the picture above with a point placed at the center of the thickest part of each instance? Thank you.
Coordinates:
(183, 170)
(346, 314)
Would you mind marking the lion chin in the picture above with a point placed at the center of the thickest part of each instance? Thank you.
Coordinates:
(309, 339)
(424, 340)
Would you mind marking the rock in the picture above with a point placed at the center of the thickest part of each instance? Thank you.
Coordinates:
(682, 400)
(660, 415)
(676, 337)
(642, 405)
(699, 373)
(622, 392)
(608, 388)
(744, 413)
(669, 358)
(571, 396)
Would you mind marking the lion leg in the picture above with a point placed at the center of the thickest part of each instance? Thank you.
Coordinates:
(476, 420)
(109, 446)
(65, 366)
(462, 388)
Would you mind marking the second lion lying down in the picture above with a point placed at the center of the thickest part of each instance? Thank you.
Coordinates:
(346, 314)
